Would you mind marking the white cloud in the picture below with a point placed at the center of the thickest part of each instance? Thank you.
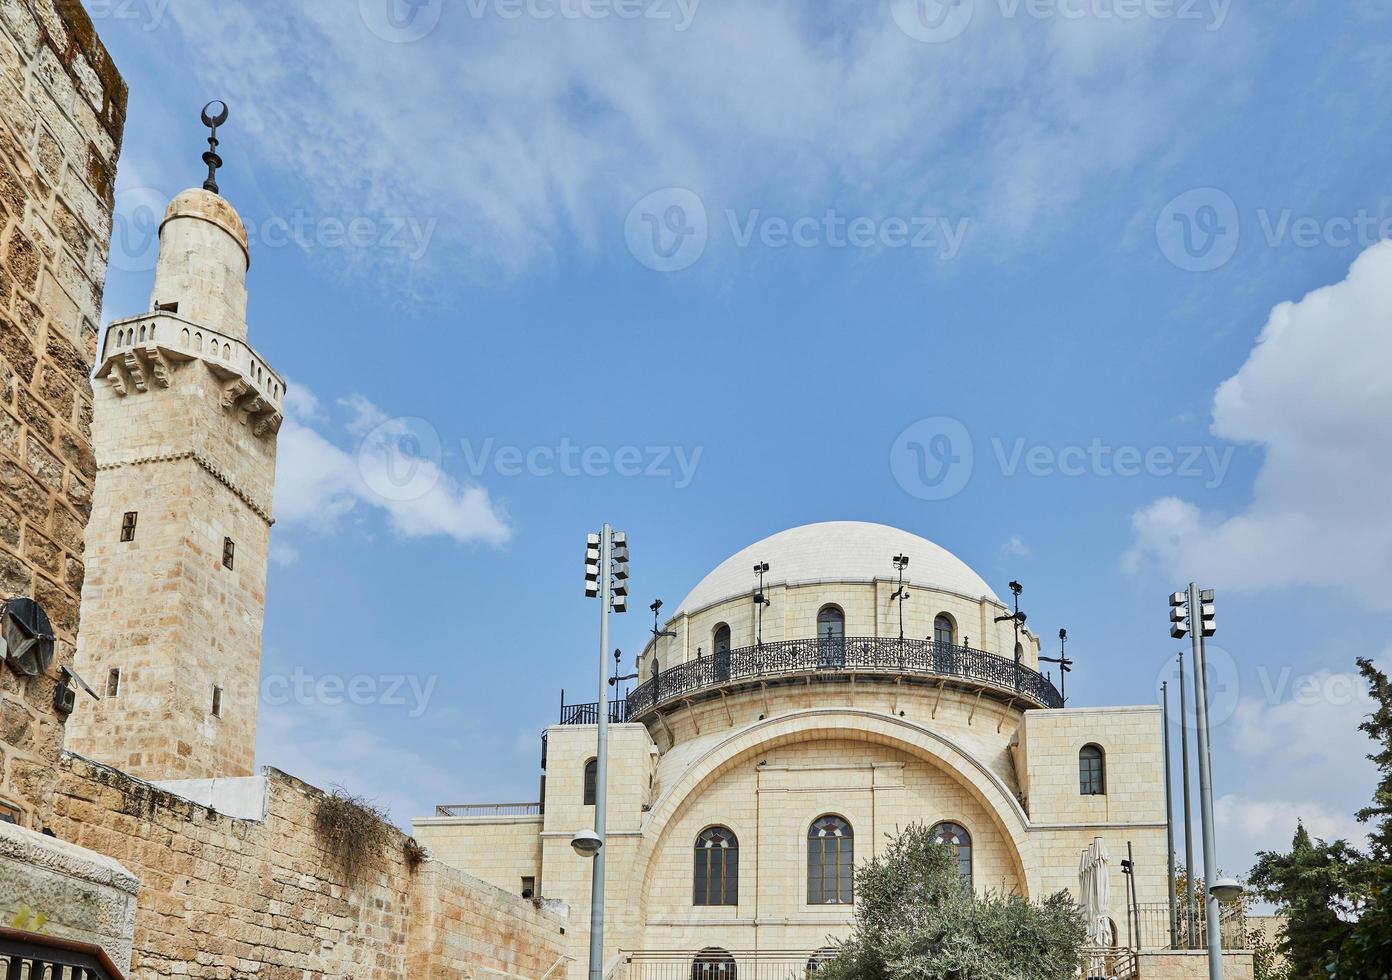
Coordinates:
(527, 137)
(1295, 745)
(1015, 548)
(395, 468)
(1316, 394)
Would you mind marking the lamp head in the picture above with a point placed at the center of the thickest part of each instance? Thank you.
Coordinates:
(586, 843)
(1226, 889)
(657, 604)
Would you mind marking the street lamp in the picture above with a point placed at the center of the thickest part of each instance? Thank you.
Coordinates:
(606, 578)
(1192, 613)
(1226, 890)
(586, 843)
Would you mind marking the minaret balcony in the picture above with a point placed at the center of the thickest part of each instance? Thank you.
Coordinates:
(141, 352)
(830, 659)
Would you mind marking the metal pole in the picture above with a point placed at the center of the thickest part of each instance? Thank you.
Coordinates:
(1191, 912)
(1210, 858)
(606, 541)
(1169, 814)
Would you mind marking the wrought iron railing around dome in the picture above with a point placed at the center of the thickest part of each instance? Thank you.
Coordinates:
(928, 659)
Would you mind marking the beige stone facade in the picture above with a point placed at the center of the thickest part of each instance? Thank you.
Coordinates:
(185, 436)
(62, 111)
(763, 741)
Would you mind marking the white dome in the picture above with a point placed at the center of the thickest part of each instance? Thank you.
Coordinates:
(837, 551)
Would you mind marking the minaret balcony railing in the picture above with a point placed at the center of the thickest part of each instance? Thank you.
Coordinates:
(145, 345)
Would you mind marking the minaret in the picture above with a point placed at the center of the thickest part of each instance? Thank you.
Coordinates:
(184, 429)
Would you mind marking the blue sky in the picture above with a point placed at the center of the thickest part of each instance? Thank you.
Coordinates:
(743, 259)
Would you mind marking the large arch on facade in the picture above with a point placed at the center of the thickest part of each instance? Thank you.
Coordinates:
(842, 724)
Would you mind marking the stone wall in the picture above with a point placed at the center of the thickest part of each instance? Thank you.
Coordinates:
(65, 890)
(1191, 964)
(62, 111)
(225, 896)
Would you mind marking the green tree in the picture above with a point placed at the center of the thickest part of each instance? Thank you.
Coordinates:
(1336, 899)
(1315, 886)
(1366, 952)
(914, 920)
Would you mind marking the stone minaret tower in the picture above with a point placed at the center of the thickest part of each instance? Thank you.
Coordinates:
(185, 420)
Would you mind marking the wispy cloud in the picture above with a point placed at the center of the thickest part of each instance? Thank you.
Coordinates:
(530, 138)
(394, 468)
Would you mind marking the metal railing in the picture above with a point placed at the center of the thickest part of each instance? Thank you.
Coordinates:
(488, 810)
(840, 656)
(1108, 963)
(588, 713)
(39, 957)
(1153, 926)
(718, 964)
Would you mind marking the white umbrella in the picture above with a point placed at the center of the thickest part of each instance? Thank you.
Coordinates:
(1095, 892)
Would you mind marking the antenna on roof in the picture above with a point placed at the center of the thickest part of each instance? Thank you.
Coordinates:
(213, 118)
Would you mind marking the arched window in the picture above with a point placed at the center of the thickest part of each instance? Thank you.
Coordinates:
(713, 963)
(715, 880)
(831, 636)
(830, 858)
(591, 781)
(823, 955)
(956, 837)
(943, 630)
(1092, 771)
(721, 645)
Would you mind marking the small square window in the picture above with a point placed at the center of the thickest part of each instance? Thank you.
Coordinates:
(217, 702)
(9, 814)
(113, 682)
(128, 525)
(528, 887)
(229, 552)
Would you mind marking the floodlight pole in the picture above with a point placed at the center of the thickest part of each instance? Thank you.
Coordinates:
(1210, 847)
(1169, 813)
(606, 542)
(1191, 912)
